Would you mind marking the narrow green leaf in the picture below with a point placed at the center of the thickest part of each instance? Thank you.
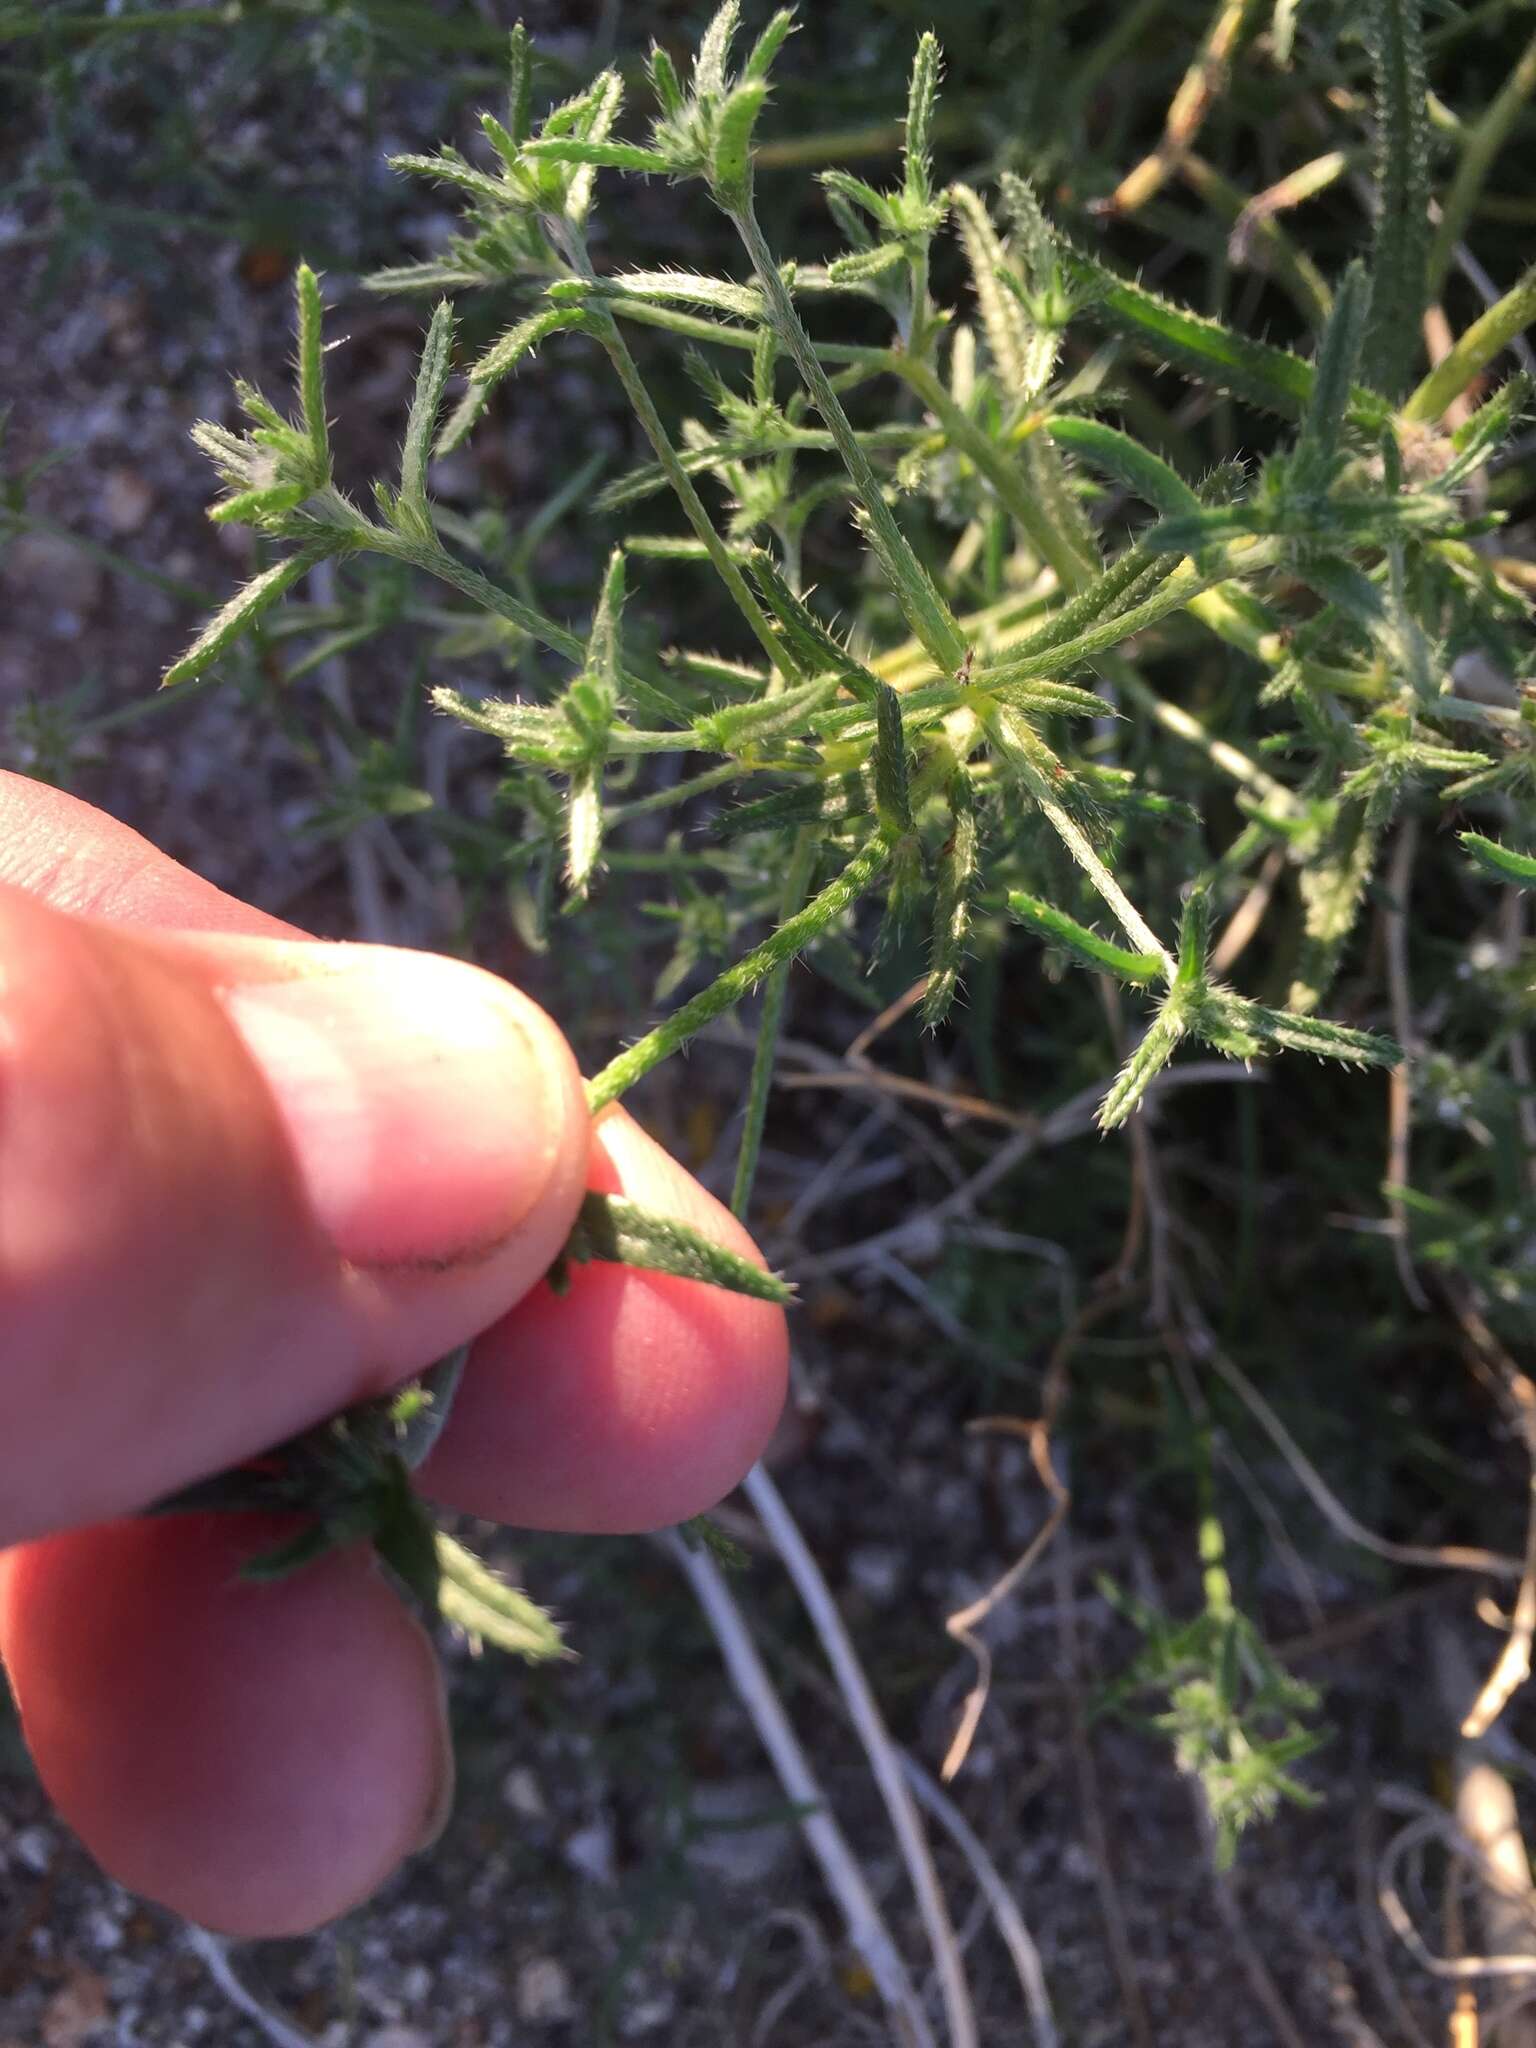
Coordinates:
(603, 641)
(664, 81)
(504, 145)
(843, 184)
(488, 1610)
(1194, 940)
(1033, 243)
(811, 648)
(1319, 445)
(519, 84)
(437, 275)
(893, 805)
(1332, 886)
(426, 403)
(504, 356)
(594, 122)
(735, 728)
(863, 266)
(922, 98)
(832, 802)
(617, 1232)
(311, 353)
(1145, 1063)
(255, 507)
(583, 827)
(958, 867)
(1498, 860)
(463, 420)
(597, 156)
(1021, 368)
(1269, 377)
(1085, 946)
(1127, 461)
(1479, 437)
(769, 43)
(447, 167)
(730, 155)
(1317, 1035)
(1399, 266)
(738, 981)
(244, 608)
(666, 288)
(709, 73)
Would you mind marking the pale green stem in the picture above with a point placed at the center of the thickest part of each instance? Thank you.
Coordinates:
(437, 561)
(739, 981)
(1073, 568)
(679, 793)
(801, 867)
(694, 327)
(929, 616)
(693, 505)
(1078, 844)
(1483, 340)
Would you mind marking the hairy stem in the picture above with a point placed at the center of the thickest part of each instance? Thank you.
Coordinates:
(927, 613)
(738, 981)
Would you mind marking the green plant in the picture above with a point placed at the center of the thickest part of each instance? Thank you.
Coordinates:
(944, 758)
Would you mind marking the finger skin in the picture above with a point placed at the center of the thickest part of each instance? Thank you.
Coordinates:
(157, 1692)
(75, 857)
(632, 1401)
(169, 1300)
(656, 1393)
(258, 1757)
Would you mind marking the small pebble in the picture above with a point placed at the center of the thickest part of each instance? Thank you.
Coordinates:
(646, 2015)
(126, 500)
(877, 1570)
(33, 1848)
(520, 1791)
(590, 1851)
(544, 1993)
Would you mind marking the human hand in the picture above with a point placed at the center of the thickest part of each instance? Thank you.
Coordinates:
(247, 1179)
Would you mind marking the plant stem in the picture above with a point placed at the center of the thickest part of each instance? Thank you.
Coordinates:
(927, 613)
(436, 560)
(679, 793)
(1474, 351)
(693, 505)
(738, 981)
(1078, 844)
(853, 1684)
(867, 1929)
(802, 866)
(1073, 567)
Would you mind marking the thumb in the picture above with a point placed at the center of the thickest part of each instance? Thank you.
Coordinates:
(244, 1182)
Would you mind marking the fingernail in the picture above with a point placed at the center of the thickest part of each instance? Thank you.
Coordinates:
(424, 1099)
